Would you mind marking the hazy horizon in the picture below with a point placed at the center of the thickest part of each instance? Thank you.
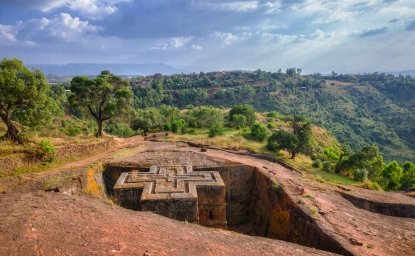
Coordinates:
(354, 36)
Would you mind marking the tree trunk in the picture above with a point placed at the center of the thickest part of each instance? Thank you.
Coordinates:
(99, 132)
(12, 133)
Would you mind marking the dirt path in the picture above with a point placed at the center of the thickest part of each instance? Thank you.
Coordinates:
(120, 143)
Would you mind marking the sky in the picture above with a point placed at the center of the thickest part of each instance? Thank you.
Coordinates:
(349, 36)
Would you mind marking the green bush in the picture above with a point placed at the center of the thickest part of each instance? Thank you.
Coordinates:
(271, 124)
(391, 176)
(258, 132)
(327, 166)
(360, 174)
(47, 150)
(204, 117)
(148, 119)
(215, 130)
(332, 152)
(244, 109)
(239, 121)
(368, 184)
(408, 178)
(119, 130)
(317, 163)
(71, 129)
(179, 126)
(276, 186)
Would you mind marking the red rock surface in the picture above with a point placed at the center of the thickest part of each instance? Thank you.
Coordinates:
(57, 224)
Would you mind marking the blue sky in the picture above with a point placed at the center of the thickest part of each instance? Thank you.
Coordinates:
(316, 35)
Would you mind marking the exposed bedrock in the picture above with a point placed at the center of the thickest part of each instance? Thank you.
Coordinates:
(385, 208)
(252, 201)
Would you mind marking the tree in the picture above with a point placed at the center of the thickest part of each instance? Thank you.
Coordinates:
(299, 141)
(243, 109)
(258, 132)
(204, 117)
(148, 119)
(24, 95)
(408, 178)
(368, 158)
(302, 131)
(239, 121)
(103, 97)
(280, 140)
(391, 176)
(214, 130)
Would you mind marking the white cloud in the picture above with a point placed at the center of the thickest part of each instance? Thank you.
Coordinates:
(172, 43)
(61, 27)
(272, 7)
(197, 47)
(236, 6)
(227, 38)
(69, 28)
(7, 34)
(47, 5)
(95, 9)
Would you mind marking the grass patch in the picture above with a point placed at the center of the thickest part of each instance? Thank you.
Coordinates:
(276, 186)
(45, 166)
(313, 212)
(335, 178)
(308, 195)
(57, 181)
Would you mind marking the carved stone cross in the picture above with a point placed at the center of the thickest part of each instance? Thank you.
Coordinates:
(176, 192)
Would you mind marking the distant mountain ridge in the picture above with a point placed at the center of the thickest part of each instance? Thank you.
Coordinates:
(93, 69)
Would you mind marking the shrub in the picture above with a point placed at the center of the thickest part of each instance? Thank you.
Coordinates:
(271, 124)
(239, 121)
(273, 114)
(119, 130)
(167, 127)
(179, 126)
(360, 174)
(244, 109)
(332, 153)
(245, 132)
(204, 117)
(215, 130)
(148, 119)
(71, 129)
(47, 150)
(317, 163)
(368, 184)
(276, 186)
(258, 132)
(391, 176)
(408, 178)
(281, 140)
(327, 166)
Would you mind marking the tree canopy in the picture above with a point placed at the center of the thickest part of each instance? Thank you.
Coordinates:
(24, 97)
(102, 97)
(243, 109)
(297, 141)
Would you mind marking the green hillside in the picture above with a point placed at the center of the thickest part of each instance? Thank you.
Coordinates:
(357, 109)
